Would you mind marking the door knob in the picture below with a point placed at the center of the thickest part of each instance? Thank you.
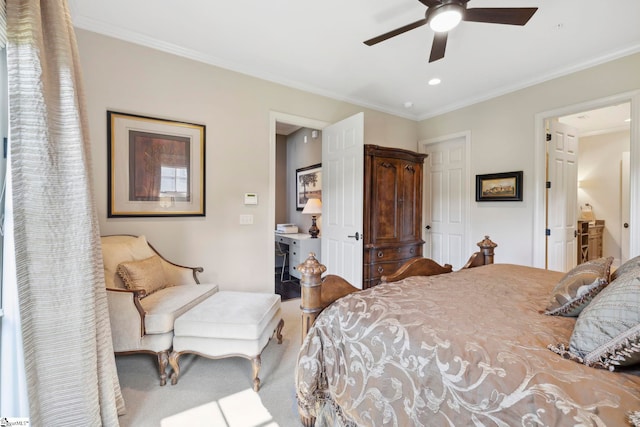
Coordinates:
(428, 227)
(626, 225)
(355, 236)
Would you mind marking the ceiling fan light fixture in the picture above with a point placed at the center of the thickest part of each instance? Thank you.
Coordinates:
(445, 17)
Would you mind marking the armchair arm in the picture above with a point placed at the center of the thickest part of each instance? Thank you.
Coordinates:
(179, 274)
(126, 315)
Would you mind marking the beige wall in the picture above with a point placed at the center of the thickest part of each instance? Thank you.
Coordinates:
(235, 109)
(502, 139)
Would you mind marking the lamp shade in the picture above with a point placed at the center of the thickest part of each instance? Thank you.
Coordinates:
(313, 207)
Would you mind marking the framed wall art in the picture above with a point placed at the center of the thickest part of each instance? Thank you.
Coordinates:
(156, 167)
(499, 187)
(308, 184)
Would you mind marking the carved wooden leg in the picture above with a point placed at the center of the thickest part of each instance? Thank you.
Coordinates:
(279, 331)
(174, 362)
(163, 358)
(256, 362)
(306, 420)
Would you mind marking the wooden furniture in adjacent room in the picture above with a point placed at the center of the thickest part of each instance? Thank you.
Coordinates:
(392, 210)
(590, 240)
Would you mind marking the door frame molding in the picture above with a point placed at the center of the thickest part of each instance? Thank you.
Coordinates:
(422, 148)
(539, 173)
(275, 116)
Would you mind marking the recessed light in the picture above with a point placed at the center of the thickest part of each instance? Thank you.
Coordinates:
(434, 81)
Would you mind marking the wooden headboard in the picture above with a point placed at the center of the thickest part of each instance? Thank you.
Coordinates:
(318, 293)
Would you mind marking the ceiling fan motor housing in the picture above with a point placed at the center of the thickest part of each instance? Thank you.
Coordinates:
(445, 16)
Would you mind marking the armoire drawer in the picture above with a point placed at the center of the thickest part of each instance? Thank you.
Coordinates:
(379, 269)
(392, 254)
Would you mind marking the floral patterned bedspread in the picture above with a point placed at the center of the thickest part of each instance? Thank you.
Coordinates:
(467, 348)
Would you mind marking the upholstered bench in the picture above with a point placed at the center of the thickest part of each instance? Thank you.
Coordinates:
(228, 324)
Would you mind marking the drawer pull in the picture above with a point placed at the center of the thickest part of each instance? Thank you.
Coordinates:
(380, 254)
(412, 250)
(380, 269)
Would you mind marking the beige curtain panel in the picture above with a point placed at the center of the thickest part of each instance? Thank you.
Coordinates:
(69, 362)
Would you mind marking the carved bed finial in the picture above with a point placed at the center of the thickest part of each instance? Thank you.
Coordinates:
(486, 247)
(311, 266)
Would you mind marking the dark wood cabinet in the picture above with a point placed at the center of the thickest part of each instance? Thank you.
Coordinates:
(392, 210)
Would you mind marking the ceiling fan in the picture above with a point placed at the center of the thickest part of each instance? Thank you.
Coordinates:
(444, 15)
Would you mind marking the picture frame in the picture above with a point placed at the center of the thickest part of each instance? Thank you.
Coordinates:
(156, 167)
(499, 187)
(308, 184)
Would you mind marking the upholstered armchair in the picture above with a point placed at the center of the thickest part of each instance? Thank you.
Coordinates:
(146, 293)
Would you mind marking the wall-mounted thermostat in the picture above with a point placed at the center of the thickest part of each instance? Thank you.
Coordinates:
(250, 199)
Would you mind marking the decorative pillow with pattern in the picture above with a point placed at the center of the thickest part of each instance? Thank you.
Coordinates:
(630, 265)
(578, 287)
(147, 274)
(607, 332)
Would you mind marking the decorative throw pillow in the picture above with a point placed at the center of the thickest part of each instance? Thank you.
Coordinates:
(607, 332)
(117, 249)
(147, 274)
(629, 265)
(578, 287)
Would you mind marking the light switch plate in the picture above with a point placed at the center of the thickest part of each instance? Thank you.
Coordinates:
(246, 219)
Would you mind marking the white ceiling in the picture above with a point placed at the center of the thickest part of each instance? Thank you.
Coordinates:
(317, 46)
(614, 118)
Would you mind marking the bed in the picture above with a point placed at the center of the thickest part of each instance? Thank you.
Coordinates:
(432, 347)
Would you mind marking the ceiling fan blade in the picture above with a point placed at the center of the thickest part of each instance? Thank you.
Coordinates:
(438, 47)
(500, 15)
(395, 32)
(430, 3)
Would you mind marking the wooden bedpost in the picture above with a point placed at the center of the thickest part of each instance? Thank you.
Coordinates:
(311, 291)
(318, 292)
(484, 256)
(486, 247)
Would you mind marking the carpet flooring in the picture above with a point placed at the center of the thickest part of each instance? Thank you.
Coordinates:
(216, 392)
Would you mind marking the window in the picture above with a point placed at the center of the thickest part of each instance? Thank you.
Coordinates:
(173, 181)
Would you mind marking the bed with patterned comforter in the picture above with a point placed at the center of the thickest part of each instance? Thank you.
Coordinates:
(467, 348)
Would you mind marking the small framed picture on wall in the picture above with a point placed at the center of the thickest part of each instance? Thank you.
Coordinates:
(499, 187)
(308, 184)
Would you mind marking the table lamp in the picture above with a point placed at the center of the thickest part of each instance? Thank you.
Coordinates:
(313, 208)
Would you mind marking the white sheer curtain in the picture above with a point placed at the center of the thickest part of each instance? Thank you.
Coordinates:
(13, 387)
(68, 356)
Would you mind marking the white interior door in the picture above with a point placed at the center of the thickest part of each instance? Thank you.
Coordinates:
(562, 169)
(342, 198)
(625, 235)
(446, 202)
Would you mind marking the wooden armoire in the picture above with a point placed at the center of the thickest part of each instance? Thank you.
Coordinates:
(392, 210)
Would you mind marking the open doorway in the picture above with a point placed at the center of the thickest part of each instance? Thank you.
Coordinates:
(597, 158)
(603, 181)
(288, 151)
